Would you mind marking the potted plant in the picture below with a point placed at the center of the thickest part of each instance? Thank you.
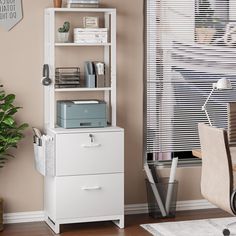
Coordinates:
(57, 3)
(204, 22)
(10, 133)
(63, 33)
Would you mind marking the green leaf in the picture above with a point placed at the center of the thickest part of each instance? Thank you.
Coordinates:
(9, 155)
(13, 140)
(8, 121)
(6, 106)
(1, 115)
(23, 126)
(12, 111)
(2, 138)
(10, 98)
(2, 94)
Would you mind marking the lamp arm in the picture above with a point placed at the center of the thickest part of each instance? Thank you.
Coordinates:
(208, 117)
(204, 106)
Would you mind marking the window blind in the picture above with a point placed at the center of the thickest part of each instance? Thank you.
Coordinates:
(189, 45)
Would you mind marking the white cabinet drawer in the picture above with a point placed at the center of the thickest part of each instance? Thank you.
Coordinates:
(89, 196)
(89, 153)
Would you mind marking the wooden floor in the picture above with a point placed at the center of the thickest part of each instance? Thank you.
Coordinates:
(132, 223)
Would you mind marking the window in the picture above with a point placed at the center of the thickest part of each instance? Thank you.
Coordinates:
(189, 45)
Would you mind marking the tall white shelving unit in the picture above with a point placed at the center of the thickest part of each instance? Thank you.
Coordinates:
(84, 170)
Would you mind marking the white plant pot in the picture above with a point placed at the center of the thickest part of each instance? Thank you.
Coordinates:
(204, 35)
(62, 37)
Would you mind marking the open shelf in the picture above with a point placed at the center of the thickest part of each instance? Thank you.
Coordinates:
(105, 52)
(81, 44)
(82, 89)
(109, 10)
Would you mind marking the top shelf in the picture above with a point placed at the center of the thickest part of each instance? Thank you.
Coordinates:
(81, 44)
(81, 10)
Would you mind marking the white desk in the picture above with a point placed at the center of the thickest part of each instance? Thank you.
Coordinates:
(198, 153)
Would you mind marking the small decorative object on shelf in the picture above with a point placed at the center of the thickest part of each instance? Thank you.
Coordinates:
(82, 3)
(67, 77)
(91, 22)
(57, 3)
(204, 22)
(90, 35)
(63, 33)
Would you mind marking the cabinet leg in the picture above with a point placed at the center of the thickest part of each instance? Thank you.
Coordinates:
(120, 222)
(54, 226)
(57, 228)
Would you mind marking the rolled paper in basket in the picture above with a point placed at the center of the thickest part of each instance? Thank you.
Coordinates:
(171, 184)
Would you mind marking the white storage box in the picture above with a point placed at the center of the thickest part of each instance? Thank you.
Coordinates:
(90, 35)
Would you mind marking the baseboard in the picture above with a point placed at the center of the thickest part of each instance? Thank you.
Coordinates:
(194, 205)
(181, 206)
(22, 217)
(131, 209)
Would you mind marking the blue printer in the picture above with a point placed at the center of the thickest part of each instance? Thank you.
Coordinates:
(81, 113)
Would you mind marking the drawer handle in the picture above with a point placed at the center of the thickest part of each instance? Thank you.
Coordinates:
(91, 145)
(91, 188)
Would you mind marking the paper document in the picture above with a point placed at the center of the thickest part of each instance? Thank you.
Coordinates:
(171, 184)
(37, 132)
(86, 102)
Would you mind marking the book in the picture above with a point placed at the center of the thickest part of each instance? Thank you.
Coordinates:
(90, 30)
(78, 5)
(90, 41)
(90, 35)
(83, 1)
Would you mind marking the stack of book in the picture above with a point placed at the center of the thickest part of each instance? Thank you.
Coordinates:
(82, 3)
(90, 35)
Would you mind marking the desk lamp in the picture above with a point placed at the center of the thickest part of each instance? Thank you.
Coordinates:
(221, 84)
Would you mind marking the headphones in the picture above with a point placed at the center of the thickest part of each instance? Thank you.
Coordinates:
(46, 80)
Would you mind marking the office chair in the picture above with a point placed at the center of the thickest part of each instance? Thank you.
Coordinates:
(232, 123)
(217, 173)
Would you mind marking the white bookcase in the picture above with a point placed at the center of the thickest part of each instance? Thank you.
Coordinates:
(84, 176)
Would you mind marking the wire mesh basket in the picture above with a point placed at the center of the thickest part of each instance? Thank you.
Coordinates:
(163, 187)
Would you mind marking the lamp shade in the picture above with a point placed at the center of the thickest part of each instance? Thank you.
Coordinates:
(222, 84)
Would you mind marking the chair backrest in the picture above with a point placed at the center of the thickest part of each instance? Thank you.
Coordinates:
(217, 173)
(232, 123)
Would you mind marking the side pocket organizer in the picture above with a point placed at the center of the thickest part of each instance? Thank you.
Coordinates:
(43, 155)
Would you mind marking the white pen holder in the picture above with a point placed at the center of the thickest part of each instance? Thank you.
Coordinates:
(43, 155)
